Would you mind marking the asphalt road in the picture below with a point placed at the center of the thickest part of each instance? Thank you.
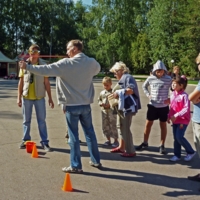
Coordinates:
(149, 175)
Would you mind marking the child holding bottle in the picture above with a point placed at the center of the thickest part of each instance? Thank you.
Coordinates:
(109, 126)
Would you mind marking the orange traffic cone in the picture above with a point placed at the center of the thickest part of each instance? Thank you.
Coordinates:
(34, 152)
(67, 187)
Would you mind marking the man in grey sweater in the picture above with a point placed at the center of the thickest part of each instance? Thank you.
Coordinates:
(74, 89)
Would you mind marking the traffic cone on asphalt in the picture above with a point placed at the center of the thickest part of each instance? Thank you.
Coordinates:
(34, 152)
(67, 186)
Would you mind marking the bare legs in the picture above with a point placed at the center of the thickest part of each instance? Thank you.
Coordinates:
(121, 145)
(163, 128)
(147, 130)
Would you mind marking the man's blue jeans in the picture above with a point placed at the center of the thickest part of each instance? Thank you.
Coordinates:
(40, 110)
(179, 140)
(81, 113)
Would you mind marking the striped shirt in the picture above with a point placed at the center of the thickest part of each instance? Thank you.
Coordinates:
(158, 89)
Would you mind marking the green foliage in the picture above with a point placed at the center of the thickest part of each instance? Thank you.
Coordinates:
(49, 23)
(113, 27)
(140, 55)
(136, 32)
(172, 33)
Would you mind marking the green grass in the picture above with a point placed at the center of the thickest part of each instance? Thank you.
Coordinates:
(99, 75)
(103, 75)
(141, 79)
(193, 82)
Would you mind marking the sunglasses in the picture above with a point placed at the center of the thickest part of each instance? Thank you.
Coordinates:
(31, 78)
(34, 51)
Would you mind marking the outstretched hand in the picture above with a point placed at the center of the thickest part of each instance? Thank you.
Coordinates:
(22, 64)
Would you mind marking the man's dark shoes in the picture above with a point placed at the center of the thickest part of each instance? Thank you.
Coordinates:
(142, 146)
(22, 145)
(46, 147)
(194, 178)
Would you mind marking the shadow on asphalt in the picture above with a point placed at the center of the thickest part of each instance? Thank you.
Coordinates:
(61, 150)
(81, 191)
(152, 179)
(10, 115)
(142, 156)
(181, 193)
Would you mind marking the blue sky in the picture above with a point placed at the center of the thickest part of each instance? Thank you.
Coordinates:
(89, 2)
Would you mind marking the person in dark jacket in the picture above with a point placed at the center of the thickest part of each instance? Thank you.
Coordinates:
(128, 90)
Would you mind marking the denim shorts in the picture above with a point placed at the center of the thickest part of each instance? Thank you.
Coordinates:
(154, 113)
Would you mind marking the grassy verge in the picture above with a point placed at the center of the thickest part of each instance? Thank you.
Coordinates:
(141, 79)
(103, 75)
(193, 82)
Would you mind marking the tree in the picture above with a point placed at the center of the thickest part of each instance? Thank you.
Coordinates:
(161, 30)
(49, 23)
(113, 28)
(187, 38)
(140, 54)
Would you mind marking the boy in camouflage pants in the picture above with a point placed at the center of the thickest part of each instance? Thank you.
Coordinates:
(108, 118)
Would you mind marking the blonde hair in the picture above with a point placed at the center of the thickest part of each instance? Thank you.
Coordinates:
(107, 79)
(120, 65)
(198, 59)
(176, 67)
(34, 46)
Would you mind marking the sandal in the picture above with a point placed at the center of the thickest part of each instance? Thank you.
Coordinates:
(116, 150)
(128, 154)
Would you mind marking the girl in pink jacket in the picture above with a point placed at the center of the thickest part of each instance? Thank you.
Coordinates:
(179, 115)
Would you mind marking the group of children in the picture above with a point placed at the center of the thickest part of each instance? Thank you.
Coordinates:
(175, 109)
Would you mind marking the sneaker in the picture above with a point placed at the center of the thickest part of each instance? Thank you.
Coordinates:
(46, 147)
(142, 146)
(162, 149)
(115, 144)
(97, 165)
(66, 140)
(189, 156)
(107, 143)
(174, 159)
(72, 170)
(22, 145)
